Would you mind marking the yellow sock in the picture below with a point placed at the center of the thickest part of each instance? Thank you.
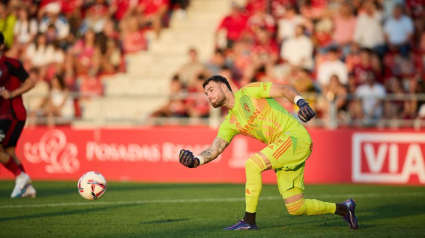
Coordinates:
(253, 168)
(310, 207)
(316, 207)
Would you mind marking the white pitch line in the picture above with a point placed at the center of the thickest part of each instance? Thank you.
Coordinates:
(365, 195)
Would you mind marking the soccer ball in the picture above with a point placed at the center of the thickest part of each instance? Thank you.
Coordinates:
(92, 185)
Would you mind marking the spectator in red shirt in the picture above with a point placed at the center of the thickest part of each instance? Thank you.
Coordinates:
(261, 19)
(353, 58)
(322, 35)
(153, 13)
(369, 63)
(241, 58)
(252, 6)
(71, 7)
(344, 26)
(279, 7)
(120, 9)
(313, 9)
(133, 38)
(234, 24)
(265, 53)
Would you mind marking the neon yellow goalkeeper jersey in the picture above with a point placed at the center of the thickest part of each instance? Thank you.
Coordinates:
(257, 115)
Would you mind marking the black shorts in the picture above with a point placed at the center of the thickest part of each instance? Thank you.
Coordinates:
(10, 131)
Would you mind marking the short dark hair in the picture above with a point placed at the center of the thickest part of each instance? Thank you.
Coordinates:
(217, 79)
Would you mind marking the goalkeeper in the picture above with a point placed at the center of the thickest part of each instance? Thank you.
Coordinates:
(253, 112)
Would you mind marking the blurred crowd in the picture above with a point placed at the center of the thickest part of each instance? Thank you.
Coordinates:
(68, 45)
(350, 54)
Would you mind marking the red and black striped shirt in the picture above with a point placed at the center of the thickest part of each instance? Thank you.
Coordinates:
(12, 75)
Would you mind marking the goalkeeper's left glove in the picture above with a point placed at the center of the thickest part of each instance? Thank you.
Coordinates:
(305, 113)
(187, 159)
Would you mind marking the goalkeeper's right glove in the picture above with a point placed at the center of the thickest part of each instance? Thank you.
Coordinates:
(187, 159)
(306, 112)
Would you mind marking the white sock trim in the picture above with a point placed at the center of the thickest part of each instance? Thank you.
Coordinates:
(297, 98)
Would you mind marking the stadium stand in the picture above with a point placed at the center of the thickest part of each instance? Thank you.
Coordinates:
(118, 58)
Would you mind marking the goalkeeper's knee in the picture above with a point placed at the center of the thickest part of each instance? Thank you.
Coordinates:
(297, 208)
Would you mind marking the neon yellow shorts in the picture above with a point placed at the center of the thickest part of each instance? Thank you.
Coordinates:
(287, 156)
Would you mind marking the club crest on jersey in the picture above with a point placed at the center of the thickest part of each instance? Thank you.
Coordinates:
(246, 107)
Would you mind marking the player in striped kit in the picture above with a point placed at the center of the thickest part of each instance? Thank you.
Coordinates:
(14, 81)
(253, 112)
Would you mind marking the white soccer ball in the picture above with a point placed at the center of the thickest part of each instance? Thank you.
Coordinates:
(92, 185)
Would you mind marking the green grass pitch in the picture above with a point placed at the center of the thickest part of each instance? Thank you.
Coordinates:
(202, 210)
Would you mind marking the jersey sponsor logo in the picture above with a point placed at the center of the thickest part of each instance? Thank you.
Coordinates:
(54, 150)
(388, 157)
(245, 106)
(250, 124)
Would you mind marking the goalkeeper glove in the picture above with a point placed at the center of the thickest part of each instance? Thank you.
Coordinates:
(187, 159)
(305, 113)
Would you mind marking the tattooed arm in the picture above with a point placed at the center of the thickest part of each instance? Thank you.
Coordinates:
(213, 151)
(280, 90)
(187, 159)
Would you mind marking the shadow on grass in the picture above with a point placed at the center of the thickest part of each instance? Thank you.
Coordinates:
(65, 212)
(162, 221)
(371, 220)
(46, 189)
